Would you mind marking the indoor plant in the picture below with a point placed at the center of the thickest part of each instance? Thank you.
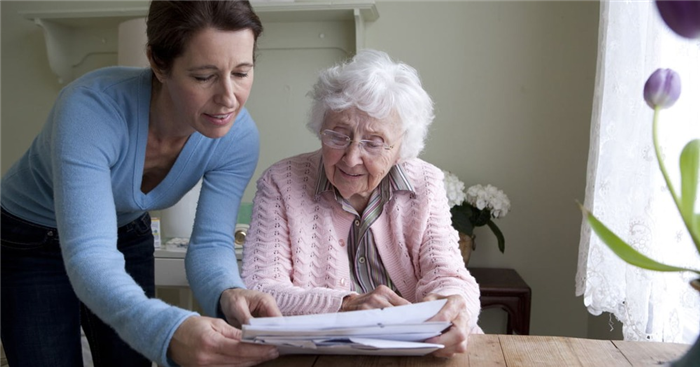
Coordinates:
(475, 207)
(661, 90)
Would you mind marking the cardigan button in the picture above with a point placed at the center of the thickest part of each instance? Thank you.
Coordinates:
(342, 243)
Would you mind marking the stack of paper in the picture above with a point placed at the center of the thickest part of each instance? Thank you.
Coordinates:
(398, 330)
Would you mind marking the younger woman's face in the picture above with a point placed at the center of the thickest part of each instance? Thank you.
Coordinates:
(210, 82)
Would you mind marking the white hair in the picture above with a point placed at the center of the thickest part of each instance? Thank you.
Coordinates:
(379, 87)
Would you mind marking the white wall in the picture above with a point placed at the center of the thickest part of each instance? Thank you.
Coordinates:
(512, 84)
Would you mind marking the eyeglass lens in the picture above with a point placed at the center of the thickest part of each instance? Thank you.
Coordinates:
(341, 141)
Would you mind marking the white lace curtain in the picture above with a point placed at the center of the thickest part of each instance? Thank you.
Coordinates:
(625, 188)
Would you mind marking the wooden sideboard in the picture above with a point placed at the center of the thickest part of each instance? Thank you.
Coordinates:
(505, 289)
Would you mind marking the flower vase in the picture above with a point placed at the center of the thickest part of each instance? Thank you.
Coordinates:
(466, 246)
(692, 356)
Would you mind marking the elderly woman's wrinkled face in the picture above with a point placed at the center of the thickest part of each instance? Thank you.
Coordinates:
(355, 171)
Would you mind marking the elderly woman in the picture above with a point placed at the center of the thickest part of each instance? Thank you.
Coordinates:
(362, 222)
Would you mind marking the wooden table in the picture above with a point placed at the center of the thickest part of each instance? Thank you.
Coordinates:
(515, 350)
(505, 289)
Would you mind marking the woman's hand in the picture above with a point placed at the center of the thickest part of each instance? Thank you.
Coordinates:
(240, 305)
(455, 339)
(206, 341)
(380, 297)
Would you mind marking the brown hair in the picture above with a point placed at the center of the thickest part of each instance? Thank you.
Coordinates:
(171, 24)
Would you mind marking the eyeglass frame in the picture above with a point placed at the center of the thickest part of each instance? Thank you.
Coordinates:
(349, 141)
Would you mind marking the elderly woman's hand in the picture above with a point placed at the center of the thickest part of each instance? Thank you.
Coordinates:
(240, 305)
(380, 297)
(455, 339)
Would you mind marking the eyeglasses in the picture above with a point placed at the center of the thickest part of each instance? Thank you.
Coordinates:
(337, 140)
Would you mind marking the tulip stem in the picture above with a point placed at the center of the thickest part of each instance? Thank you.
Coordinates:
(659, 158)
(687, 219)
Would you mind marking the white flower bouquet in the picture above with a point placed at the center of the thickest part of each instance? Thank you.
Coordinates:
(476, 207)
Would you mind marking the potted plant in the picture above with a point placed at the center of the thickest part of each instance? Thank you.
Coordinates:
(475, 207)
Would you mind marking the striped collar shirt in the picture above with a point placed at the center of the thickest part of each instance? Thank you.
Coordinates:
(366, 267)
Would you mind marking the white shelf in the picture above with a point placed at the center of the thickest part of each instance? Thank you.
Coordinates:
(71, 35)
(170, 266)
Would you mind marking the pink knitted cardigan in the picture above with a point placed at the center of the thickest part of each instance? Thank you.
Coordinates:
(295, 249)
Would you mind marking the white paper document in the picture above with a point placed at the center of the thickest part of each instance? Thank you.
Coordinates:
(394, 331)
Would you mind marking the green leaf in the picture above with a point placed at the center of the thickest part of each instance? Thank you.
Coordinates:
(690, 158)
(461, 219)
(625, 251)
(689, 164)
(481, 217)
(499, 235)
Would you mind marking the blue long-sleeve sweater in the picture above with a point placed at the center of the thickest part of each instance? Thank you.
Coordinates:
(82, 174)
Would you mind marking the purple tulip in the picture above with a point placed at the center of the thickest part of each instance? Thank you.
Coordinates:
(662, 89)
(683, 17)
